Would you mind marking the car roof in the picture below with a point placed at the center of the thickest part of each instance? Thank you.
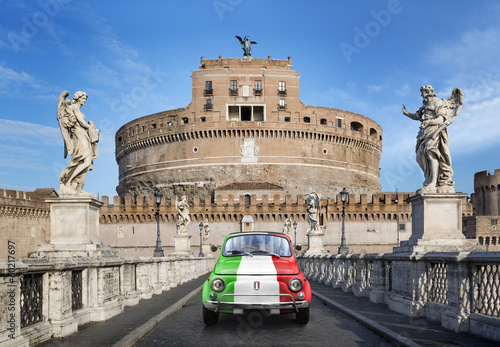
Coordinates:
(258, 233)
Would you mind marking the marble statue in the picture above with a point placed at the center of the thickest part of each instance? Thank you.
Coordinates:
(287, 226)
(183, 218)
(313, 211)
(246, 45)
(432, 150)
(80, 142)
(206, 230)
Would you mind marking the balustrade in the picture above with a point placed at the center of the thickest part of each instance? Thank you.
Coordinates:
(461, 291)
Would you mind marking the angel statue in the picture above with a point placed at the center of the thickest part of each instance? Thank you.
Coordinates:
(433, 152)
(80, 141)
(313, 211)
(287, 226)
(246, 45)
(183, 218)
(206, 230)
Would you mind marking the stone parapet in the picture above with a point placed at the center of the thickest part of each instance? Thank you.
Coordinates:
(52, 297)
(457, 290)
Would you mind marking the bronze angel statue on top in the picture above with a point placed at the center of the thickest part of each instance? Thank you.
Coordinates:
(246, 45)
(80, 142)
(432, 150)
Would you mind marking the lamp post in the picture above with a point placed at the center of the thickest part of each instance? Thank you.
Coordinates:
(397, 217)
(158, 250)
(201, 240)
(294, 234)
(343, 247)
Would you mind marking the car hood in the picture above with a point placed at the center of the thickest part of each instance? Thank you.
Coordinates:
(256, 265)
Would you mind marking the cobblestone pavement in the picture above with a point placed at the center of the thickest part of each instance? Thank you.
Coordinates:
(326, 327)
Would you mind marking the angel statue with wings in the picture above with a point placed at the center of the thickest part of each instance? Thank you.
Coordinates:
(80, 141)
(433, 152)
(313, 212)
(183, 218)
(246, 45)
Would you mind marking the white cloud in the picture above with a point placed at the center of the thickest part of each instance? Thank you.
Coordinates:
(29, 133)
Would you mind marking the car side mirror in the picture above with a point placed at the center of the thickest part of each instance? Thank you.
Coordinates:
(214, 248)
(298, 247)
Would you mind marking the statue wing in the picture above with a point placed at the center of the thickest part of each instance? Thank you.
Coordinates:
(455, 102)
(240, 39)
(64, 123)
(253, 42)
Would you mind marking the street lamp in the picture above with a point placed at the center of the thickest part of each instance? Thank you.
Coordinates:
(158, 250)
(295, 233)
(201, 240)
(343, 247)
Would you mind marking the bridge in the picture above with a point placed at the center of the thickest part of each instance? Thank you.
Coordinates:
(442, 298)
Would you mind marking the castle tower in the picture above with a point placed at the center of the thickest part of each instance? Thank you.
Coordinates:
(486, 196)
(246, 123)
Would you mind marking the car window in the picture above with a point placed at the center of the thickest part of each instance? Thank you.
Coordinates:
(262, 244)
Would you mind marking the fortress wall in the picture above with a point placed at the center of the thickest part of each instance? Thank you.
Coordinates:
(23, 222)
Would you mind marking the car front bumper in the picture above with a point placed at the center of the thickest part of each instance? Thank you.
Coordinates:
(294, 304)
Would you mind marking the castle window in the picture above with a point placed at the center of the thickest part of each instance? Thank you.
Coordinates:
(282, 105)
(307, 120)
(323, 121)
(233, 88)
(185, 120)
(153, 126)
(494, 222)
(355, 126)
(248, 199)
(287, 119)
(373, 132)
(208, 105)
(203, 119)
(208, 88)
(246, 113)
(282, 88)
(402, 226)
(258, 88)
(339, 122)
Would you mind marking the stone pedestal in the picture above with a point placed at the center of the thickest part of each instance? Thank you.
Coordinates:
(437, 225)
(315, 243)
(182, 246)
(74, 230)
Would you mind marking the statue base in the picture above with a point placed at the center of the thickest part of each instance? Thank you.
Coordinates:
(182, 246)
(315, 242)
(437, 225)
(74, 230)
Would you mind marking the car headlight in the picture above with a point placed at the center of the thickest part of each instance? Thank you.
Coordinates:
(218, 285)
(295, 284)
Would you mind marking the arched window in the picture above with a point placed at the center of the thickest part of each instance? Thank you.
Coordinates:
(357, 126)
(373, 133)
(307, 120)
(322, 121)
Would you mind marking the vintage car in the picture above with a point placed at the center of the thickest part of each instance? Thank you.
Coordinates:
(256, 271)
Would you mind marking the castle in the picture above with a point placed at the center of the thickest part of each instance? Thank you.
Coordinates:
(246, 124)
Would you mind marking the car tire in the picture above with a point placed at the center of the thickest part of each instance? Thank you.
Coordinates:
(302, 317)
(209, 317)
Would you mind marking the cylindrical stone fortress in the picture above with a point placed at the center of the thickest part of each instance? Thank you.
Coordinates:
(245, 123)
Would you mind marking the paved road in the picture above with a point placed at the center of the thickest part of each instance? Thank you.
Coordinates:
(327, 327)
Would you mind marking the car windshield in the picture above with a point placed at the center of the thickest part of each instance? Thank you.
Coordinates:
(257, 244)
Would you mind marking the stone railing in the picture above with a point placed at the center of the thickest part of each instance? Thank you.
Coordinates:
(459, 290)
(41, 298)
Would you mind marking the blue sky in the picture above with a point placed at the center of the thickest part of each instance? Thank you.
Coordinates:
(135, 58)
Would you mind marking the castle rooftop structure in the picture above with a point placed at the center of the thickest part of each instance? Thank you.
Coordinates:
(246, 123)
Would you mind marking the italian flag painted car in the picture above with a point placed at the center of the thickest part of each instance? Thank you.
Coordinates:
(256, 271)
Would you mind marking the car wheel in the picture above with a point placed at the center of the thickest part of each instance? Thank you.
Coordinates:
(302, 316)
(209, 317)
